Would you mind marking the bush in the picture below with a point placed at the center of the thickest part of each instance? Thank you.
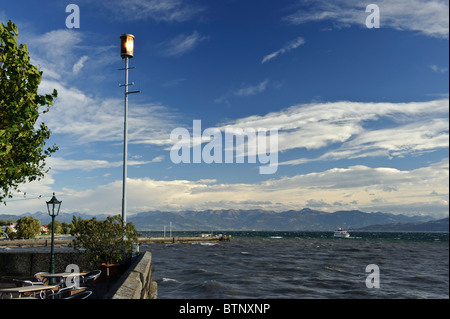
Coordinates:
(105, 241)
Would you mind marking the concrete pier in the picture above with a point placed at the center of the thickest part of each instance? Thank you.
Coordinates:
(174, 240)
(46, 242)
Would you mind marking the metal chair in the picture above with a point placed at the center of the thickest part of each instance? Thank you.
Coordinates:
(24, 283)
(70, 293)
(81, 295)
(89, 277)
(45, 294)
(39, 276)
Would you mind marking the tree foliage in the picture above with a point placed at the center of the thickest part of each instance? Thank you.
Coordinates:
(10, 233)
(60, 228)
(28, 227)
(105, 241)
(22, 152)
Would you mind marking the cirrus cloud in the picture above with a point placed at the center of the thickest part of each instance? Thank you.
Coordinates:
(169, 11)
(181, 44)
(416, 127)
(286, 48)
(427, 17)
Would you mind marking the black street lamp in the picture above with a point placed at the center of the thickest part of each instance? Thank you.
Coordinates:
(53, 206)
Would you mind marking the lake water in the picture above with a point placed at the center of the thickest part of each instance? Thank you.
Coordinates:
(299, 265)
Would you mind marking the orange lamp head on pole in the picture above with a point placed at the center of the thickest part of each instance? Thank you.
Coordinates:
(126, 45)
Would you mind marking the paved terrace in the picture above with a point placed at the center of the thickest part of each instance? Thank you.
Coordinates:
(134, 282)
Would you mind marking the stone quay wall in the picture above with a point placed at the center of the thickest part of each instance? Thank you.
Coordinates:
(137, 282)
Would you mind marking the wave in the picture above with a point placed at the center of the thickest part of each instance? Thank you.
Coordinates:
(336, 270)
(293, 268)
(209, 285)
(169, 280)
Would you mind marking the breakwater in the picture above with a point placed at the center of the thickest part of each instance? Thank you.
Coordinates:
(64, 242)
(174, 240)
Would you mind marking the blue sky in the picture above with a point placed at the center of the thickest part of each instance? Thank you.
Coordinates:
(361, 113)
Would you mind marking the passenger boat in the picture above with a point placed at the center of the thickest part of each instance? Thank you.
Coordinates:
(341, 233)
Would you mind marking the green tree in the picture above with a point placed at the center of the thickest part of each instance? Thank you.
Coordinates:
(105, 241)
(66, 228)
(28, 227)
(4, 222)
(10, 233)
(76, 224)
(58, 227)
(22, 152)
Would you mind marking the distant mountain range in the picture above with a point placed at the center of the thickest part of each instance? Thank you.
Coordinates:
(236, 219)
(233, 219)
(433, 225)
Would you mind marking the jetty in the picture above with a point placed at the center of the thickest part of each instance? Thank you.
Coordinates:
(174, 240)
(64, 242)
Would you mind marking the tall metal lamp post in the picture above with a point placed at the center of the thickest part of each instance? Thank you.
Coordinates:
(53, 206)
(126, 52)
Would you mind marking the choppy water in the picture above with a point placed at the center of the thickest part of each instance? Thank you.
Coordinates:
(304, 265)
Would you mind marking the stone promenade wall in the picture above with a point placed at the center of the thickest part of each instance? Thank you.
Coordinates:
(27, 263)
(137, 282)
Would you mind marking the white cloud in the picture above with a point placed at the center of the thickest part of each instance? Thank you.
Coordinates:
(62, 164)
(96, 119)
(80, 64)
(405, 140)
(427, 17)
(286, 48)
(245, 90)
(437, 69)
(158, 159)
(54, 51)
(181, 44)
(158, 10)
(421, 190)
(416, 127)
(61, 54)
(252, 89)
